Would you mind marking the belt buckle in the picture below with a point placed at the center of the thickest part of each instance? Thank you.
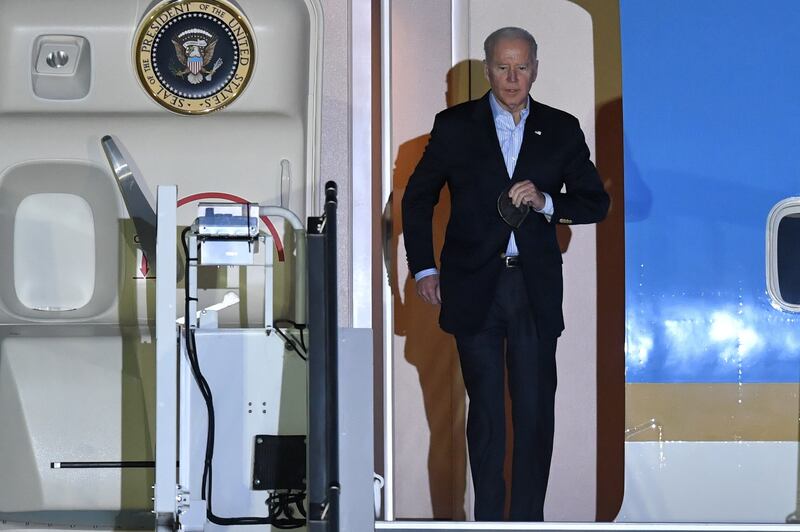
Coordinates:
(511, 261)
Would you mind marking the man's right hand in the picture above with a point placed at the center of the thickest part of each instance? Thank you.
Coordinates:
(428, 289)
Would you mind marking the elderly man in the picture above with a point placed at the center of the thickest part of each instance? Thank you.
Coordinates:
(505, 158)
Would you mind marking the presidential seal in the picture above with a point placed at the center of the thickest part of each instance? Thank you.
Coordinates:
(194, 57)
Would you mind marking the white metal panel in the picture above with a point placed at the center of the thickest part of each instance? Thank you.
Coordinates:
(363, 216)
(166, 352)
(356, 436)
(258, 388)
(423, 363)
(744, 482)
(54, 409)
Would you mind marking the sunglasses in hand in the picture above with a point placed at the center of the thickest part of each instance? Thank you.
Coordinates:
(513, 216)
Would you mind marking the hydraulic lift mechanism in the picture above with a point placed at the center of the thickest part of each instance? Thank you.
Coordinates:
(249, 415)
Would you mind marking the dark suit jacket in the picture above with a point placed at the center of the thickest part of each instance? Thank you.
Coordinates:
(464, 152)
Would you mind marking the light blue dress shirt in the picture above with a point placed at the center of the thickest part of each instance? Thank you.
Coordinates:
(510, 137)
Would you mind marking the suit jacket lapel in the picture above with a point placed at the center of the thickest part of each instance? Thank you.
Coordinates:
(530, 141)
(483, 115)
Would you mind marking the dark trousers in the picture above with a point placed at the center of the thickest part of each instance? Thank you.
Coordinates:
(508, 337)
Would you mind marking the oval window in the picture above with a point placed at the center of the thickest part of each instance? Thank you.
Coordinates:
(783, 255)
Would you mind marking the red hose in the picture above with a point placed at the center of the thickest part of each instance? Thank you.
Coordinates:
(236, 199)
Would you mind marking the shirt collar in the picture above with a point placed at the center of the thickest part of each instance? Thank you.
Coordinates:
(499, 112)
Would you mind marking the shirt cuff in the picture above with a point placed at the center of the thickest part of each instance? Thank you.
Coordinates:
(425, 273)
(547, 210)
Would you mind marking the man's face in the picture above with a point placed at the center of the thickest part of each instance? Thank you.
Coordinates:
(511, 71)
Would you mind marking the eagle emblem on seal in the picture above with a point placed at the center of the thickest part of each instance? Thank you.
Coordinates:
(194, 49)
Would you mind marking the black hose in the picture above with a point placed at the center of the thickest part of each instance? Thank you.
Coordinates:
(205, 391)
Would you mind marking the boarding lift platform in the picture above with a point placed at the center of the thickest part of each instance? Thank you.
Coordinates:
(236, 422)
(241, 397)
(249, 415)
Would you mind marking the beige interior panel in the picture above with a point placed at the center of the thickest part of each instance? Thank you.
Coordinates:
(430, 460)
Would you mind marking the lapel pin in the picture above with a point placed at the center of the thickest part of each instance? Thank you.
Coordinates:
(538, 132)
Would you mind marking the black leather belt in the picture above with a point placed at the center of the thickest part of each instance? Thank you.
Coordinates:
(512, 261)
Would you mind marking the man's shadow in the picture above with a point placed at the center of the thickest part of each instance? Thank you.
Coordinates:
(430, 350)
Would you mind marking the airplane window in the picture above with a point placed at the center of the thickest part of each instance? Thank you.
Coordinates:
(789, 258)
(783, 255)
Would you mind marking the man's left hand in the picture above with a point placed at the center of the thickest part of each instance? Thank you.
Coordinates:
(526, 193)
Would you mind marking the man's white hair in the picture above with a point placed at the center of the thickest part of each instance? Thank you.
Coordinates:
(509, 32)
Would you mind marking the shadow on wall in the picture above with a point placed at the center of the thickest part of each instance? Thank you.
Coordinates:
(430, 350)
